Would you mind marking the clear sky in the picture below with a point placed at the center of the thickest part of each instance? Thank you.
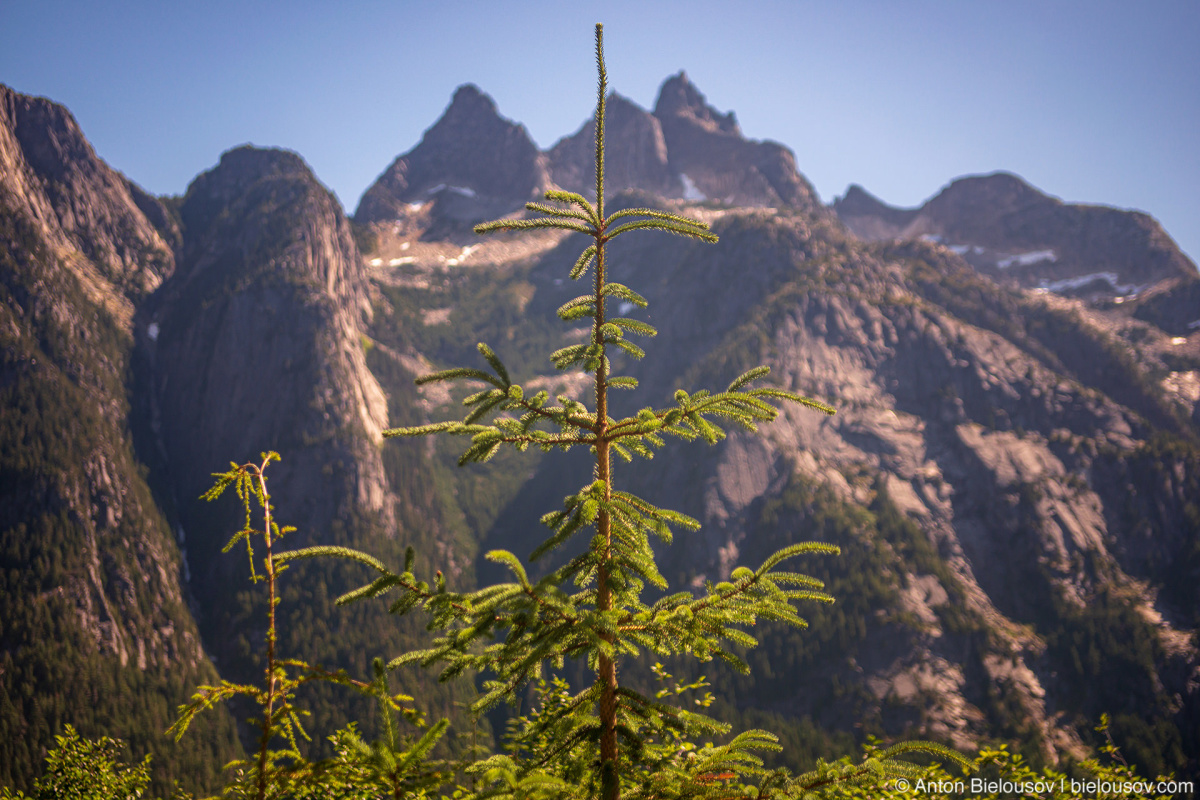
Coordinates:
(1093, 102)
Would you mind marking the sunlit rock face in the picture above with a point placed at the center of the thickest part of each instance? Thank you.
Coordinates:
(52, 176)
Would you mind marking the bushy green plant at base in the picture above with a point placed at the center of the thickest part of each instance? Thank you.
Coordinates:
(82, 769)
(605, 739)
(79, 769)
(1001, 773)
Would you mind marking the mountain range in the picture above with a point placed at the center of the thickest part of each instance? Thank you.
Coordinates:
(1013, 474)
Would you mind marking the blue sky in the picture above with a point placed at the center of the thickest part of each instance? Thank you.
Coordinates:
(1093, 102)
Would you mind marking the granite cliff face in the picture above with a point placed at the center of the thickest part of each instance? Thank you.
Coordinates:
(981, 467)
(260, 342)
(95, 629)
(269, 285)
(78, 203)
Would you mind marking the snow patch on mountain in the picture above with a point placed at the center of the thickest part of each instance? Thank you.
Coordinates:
(690, 192)
(1084, 280)
(1025, 259)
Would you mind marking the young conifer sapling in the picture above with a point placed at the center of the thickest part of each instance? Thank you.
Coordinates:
(605, 739)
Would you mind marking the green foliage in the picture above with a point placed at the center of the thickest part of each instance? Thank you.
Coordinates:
(805, 684)
(365, 238)
(1001, 773)
(80, 769)
(607, 739)
(1174, 563)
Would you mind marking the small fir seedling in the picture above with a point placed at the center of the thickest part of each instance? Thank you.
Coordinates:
(606, 739)
(279, 768)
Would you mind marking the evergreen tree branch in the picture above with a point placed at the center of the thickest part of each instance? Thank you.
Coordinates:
(670, 226)
(530, 224)
(657, 214)
(563, 213)
(572, 198)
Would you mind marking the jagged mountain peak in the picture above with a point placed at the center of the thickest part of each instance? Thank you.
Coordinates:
(263, 211)
(714, 161)
(473, 163)
(992, 192)
(249, 160)
(50, 137)
(469, 99)
(620, 104)
(868, 216)
(472, 113)
(50, 175)
(856, 192)
(679, 97)
(237, 170)
(684, 149)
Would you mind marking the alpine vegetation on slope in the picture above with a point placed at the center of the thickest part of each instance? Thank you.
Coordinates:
(981, 455)
(606, 737)
(95, 630)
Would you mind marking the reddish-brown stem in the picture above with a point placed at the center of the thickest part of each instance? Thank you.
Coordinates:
(269, 711)
(607, 668)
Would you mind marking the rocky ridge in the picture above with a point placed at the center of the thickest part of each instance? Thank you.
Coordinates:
(473, 164)
(1015, 233)
(79, 204)
(720, 163)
